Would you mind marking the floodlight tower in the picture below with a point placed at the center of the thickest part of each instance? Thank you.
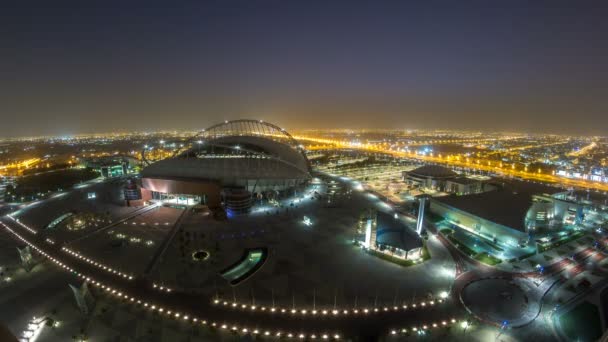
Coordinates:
(370, 229)
(420, 222)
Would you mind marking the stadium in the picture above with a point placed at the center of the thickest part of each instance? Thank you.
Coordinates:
(231, 163)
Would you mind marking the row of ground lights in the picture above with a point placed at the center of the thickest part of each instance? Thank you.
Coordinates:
(145, 224)
(162, 288)
(333, 312)
(173, 314)
(23, 225)
(95, 263)
(423, 327)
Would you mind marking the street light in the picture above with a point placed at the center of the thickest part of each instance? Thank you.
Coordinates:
(464, 325)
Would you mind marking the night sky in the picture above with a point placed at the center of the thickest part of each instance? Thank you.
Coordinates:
(69, 67)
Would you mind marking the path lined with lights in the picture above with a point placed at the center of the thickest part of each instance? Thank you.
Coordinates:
(179, 306)
(156, 257)
(422, 328)
(326, 312)
(96, 263)
(26, 227)
(132, 215)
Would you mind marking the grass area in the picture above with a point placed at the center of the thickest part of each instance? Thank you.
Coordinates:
(446, 231)
(548, 257)
(487, 259)
(426, 255)
(561, 242)
(461, 246)
(582, 323)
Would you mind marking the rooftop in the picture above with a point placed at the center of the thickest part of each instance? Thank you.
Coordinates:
(507, 206)
(395, 233)
(433, 171)
(233, 157)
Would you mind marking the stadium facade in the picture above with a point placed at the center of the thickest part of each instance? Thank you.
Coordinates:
(229, 164)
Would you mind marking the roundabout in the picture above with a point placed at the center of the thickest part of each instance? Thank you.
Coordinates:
(509, 303)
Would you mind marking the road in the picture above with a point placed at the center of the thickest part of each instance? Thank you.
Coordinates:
(486, 166)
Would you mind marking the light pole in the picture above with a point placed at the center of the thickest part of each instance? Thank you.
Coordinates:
(464, 325)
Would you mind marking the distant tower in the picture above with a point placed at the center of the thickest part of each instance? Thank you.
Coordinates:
(27, 261)
(420, 222)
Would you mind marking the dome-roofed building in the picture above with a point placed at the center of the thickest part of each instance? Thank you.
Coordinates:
(433, 171)
(230, 162)
(432, 177)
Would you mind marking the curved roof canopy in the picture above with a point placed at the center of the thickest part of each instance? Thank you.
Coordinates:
(433, 171)
(233, 151)
(235, 128)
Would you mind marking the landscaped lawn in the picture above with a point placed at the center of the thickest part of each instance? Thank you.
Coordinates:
(487, 259)
(563, 241)
(461, 246)
(446, 231)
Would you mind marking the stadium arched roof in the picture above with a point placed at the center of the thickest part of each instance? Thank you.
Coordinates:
(234, 128)
(240, 149)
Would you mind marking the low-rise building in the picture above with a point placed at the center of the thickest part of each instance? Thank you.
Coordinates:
(439, 178)
(509, 215)
(387, 234)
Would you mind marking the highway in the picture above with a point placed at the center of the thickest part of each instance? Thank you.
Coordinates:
(504, 169)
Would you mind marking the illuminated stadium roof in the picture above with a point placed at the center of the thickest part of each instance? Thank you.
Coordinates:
(236, 150)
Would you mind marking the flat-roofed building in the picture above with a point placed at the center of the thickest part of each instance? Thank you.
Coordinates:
(502, 215)
(439, 178)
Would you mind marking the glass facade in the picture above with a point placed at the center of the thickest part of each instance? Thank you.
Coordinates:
(179, 199)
